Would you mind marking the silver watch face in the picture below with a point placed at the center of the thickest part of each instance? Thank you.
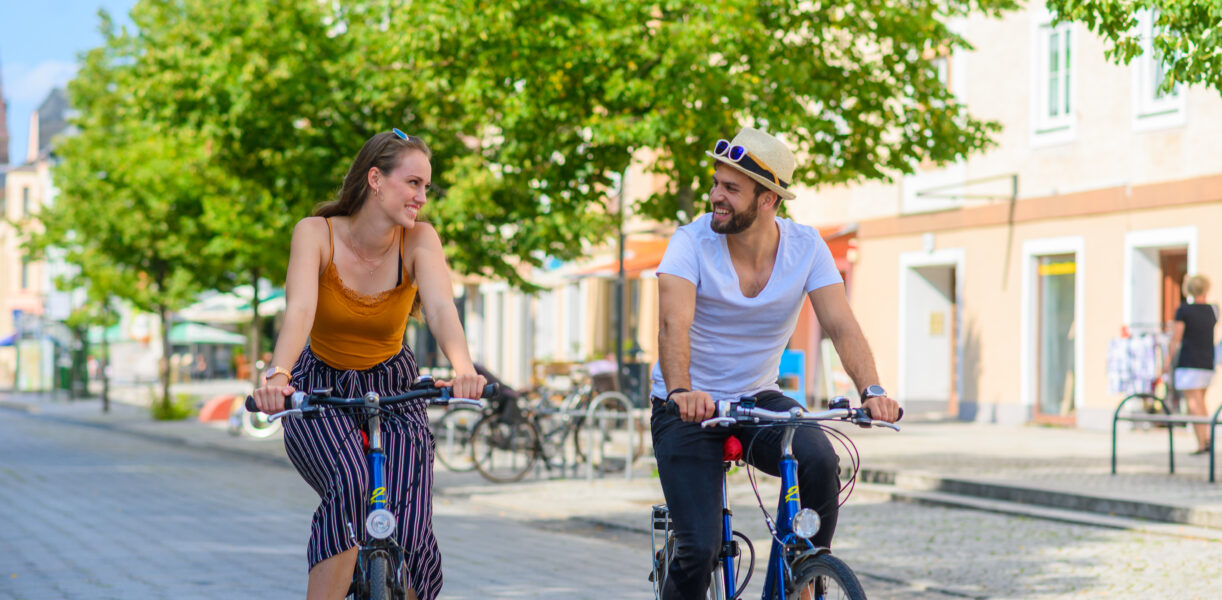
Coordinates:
(873, 391)
(269, 372)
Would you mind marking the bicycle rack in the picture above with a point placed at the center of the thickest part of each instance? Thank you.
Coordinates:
(598, 437)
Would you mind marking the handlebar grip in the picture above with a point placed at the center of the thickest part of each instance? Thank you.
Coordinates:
(250, 403)
(491, 390)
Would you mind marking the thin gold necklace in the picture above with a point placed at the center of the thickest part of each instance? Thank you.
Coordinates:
(376, 263)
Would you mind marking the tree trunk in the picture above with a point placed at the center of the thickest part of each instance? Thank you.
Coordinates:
(256, 374)
(687, 202)
(105, 366)
(164, 314)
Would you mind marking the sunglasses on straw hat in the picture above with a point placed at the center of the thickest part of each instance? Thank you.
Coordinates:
(736, 154)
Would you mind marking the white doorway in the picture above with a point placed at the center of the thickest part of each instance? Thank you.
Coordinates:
(930, 352)
(1155, 261)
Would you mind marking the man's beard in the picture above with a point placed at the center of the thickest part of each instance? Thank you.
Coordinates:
(738, 222)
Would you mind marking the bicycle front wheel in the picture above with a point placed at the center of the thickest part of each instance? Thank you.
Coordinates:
(379, 578)
(824, 577)
(452, 434)
(504, 450)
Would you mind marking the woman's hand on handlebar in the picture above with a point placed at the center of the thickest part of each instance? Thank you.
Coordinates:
(694, 406)
(270, 397)
(466, 385)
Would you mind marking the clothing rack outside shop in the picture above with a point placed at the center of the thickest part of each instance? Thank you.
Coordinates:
(1135, 362)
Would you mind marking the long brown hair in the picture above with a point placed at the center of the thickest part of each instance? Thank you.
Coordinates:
(384, 151)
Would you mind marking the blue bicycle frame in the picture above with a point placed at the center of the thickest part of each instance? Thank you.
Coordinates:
(789, 505)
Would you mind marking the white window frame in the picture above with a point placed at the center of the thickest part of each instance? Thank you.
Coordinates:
(1049, 130)
(1149, 112)
(1032, 250)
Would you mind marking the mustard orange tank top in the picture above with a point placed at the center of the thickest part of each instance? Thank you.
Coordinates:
(353, 331)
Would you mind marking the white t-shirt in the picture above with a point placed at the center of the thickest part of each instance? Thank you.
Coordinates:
(736, 342)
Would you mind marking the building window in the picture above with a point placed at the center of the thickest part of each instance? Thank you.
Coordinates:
(1053, 82)
(25, 200)
(1153, 106)
(1054, 97)
(25, 273)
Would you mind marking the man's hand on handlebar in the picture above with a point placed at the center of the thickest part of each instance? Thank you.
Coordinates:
(694, 406)
(882, 408)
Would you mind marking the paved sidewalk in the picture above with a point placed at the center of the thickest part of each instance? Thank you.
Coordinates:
(952, 463)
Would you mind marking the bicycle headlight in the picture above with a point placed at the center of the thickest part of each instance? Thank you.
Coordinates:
(380, 524)
(806, 523)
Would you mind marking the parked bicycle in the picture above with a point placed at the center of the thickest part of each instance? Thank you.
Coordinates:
(380, 572)
(505, 446)
(797, 569)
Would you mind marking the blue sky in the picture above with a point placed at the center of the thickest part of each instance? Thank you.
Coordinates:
(40, 41)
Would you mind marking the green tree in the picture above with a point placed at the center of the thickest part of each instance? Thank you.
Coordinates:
(1187, 34)
(132, 196)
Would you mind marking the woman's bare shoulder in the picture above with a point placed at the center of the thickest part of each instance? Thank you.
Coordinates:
(422, 235)
(311, 228)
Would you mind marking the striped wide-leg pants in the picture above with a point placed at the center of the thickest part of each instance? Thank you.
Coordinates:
(329, 453)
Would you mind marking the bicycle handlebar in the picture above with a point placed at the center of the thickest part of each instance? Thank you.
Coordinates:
(302, 401)
(734, 413)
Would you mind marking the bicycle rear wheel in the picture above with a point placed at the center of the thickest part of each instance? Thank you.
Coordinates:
(504, 450)
(452, 434)
(824, 577)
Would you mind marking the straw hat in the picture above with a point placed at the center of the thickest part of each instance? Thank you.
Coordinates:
(760, 157)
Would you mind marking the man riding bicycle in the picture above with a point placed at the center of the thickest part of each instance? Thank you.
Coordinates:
(730, 289)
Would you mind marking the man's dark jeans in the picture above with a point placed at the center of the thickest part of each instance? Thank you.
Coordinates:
(690, 467)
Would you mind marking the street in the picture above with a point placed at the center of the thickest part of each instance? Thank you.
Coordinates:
(89, 513)
(93, 513)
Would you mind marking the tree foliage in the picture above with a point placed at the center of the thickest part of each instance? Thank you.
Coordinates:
(535, 109)
(1187, 34)
(559, 96)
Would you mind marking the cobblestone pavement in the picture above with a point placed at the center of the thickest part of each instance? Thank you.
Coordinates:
(177, 486)
(90, 513)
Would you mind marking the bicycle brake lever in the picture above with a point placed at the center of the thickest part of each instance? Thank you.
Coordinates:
(715, 421)
(284, 413)
(478, 403)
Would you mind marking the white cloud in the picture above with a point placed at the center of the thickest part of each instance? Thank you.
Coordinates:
(30, 85)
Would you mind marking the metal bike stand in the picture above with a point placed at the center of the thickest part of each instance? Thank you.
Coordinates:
(593, 411)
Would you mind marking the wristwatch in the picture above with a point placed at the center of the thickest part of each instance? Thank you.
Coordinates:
(872, 391)
(273, 371)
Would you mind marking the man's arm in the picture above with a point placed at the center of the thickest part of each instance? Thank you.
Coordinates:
(677, 307)
(836, 318)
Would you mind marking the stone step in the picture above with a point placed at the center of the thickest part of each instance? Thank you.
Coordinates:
(918, 486)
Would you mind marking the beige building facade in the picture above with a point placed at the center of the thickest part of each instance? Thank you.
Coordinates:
(991, 289)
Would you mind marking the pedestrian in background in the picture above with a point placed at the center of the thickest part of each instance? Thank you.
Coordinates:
(1192, 348)
(357, 269)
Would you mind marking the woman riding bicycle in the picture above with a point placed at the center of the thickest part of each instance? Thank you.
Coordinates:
(357, 270)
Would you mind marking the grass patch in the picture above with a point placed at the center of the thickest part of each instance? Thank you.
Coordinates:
(178, 409)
